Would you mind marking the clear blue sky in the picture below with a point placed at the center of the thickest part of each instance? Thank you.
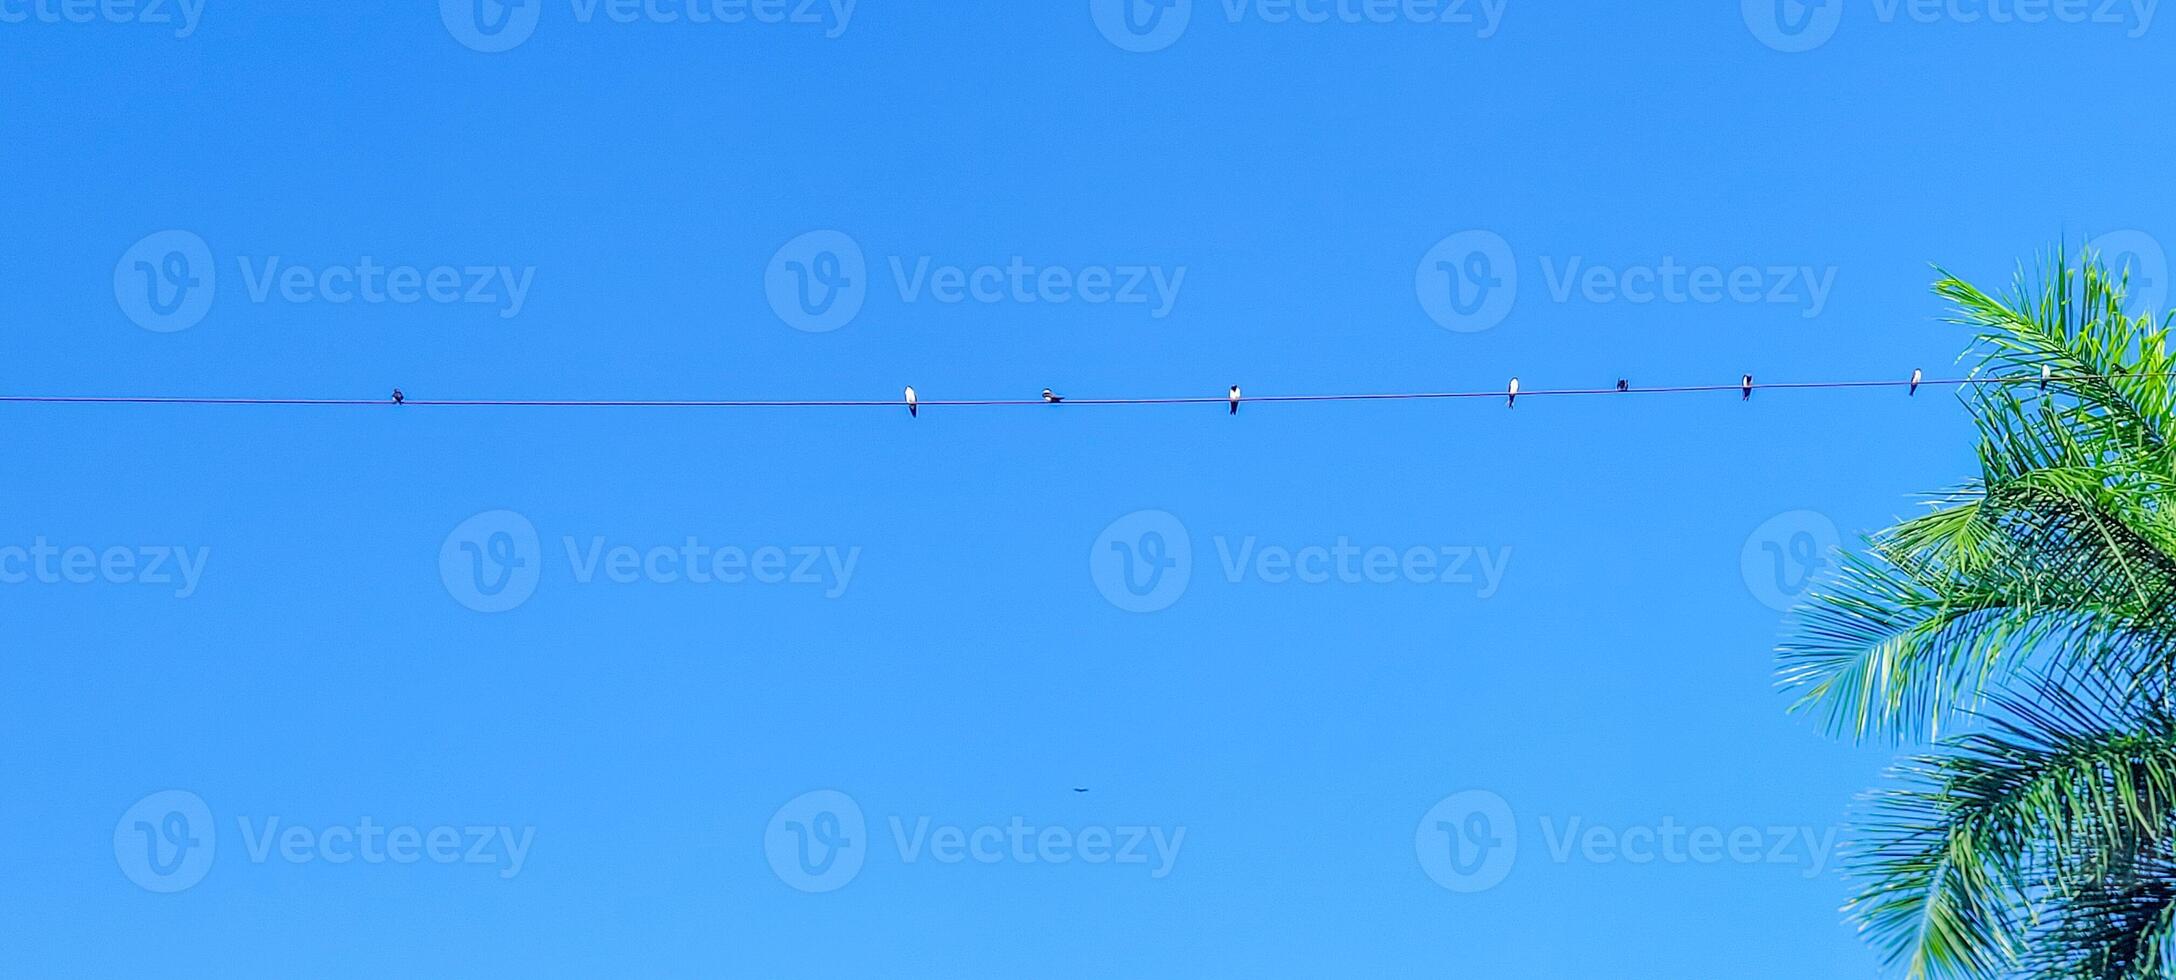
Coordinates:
(644, 736)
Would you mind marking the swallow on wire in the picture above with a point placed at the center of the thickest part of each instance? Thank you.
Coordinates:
(1917, 376)
(2047, 373)
(1745, 387)
(1623, 385)
(1512, 401)
(1235, 400)
(398, 397)
(914, 407)
(1052, 397)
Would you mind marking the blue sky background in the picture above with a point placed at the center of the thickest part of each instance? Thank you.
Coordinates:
(973, 672)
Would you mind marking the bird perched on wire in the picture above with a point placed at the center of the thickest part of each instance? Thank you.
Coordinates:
(1917, 376)
(1512, 400)
(1052, 397)
(1623, 385)
(1235, 400)
(1745, 387)
(398, 397)
(914, 406)
(2047, 373)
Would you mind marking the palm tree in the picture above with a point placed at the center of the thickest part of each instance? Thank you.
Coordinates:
(2024, 632)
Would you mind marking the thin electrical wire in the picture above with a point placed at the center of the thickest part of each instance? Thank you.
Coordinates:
(895, 403)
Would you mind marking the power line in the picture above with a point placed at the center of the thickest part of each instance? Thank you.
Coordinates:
(1745, 388)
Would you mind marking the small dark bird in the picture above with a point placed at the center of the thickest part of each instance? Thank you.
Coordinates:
(1917, 376)
(1235, 400)
(398, 397)
(914, 407)
(1745, 385)
(1623, 385)
(1052, 397)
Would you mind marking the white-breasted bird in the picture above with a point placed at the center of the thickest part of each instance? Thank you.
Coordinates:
(1745, 387)
(1052, 397)
(1235, 400)
(914, 406)
(1917, 376)
(2047, 373)
(1512, 401)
